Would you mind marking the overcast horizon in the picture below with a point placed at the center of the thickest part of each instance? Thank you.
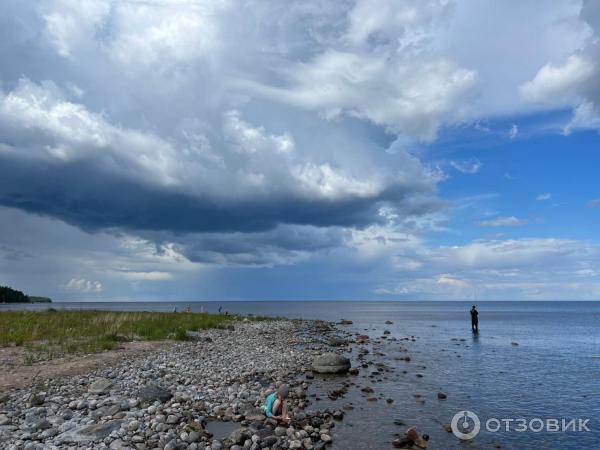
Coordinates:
(245, 150)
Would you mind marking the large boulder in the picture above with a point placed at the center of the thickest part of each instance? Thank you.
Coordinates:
(331, 363)
(152, 392)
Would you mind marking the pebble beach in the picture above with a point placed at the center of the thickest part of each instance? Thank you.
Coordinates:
(185, 396)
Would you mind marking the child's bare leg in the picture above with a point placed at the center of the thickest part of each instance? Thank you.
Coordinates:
(284, 411)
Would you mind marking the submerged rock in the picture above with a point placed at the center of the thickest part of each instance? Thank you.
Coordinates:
(337, 342)
(362, 338)
(411, 439)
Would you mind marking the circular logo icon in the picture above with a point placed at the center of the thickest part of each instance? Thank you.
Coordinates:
(465, 425)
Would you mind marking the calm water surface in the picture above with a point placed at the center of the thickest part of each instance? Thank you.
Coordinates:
(554, 372)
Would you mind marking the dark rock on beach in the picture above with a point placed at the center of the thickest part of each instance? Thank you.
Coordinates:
(152, 392)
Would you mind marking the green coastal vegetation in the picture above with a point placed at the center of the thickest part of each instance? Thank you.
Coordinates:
(53, 333)
(9, 295)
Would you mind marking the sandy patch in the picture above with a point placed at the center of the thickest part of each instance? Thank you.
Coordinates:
(15, 374)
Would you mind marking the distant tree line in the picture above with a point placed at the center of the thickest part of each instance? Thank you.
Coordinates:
(9, 295)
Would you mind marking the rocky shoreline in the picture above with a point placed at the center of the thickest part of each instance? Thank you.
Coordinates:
(172, 398)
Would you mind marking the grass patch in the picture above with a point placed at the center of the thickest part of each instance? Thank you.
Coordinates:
(54, 332)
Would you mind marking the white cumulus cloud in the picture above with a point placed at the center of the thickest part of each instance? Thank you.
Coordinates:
(84, 286)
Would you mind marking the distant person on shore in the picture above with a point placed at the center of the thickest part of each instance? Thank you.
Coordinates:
(474, 319)
(276, 404)
(220, 307)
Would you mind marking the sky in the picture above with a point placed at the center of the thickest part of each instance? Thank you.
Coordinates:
(300, 150)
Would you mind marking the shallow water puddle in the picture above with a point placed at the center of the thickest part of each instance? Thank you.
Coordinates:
(221, 430)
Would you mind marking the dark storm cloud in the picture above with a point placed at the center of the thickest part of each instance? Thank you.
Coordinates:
(81, 194)
(284, 244)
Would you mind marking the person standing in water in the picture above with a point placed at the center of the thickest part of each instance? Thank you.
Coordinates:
(474, 319)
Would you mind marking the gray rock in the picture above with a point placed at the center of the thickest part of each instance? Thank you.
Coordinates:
(337, 342)
(264, 432)
(41, 424)
(299, 392)
(37, 399)
(268, 441)
(325, 437)
(331, 363)
(193, 436)
(152, 392)
(118, 444)
(100, 386)
(171, 445)
(173, 419)
(89, 433)
(49, 433)
(239, 436)
(107, 411)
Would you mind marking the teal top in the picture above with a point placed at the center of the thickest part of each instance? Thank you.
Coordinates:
(269, 404)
